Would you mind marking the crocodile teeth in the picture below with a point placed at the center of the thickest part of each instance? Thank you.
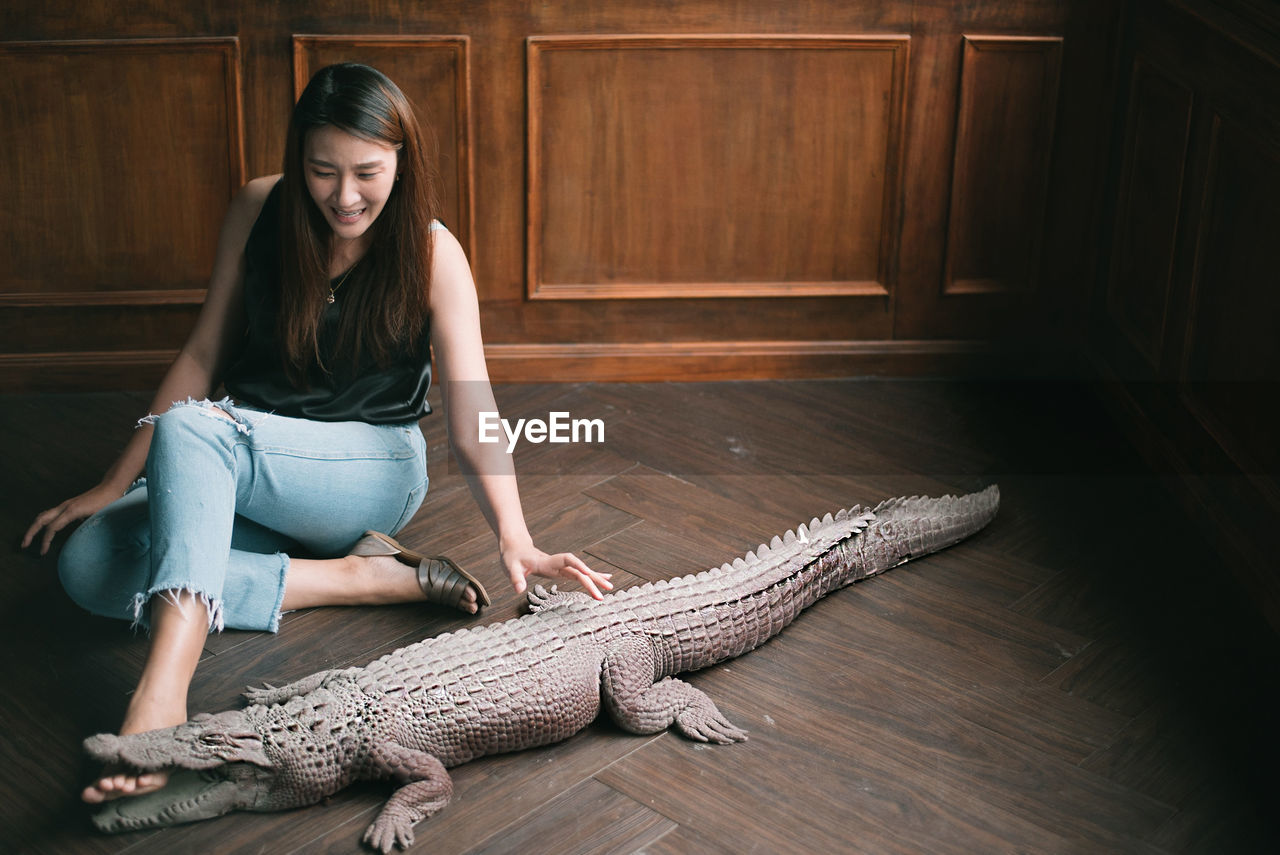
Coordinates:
(775, 543)
(789, 537)
(827, 519)
(738, 564)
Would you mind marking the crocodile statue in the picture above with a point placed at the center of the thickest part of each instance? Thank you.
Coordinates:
(530, 681)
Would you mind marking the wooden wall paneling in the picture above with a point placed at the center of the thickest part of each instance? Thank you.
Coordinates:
(1208, 414)
(1005, 123)
(1231, 367)
(106, 207)
(434, 72)
(102, 196)
(713, 166)
(985, 107)
(1149, 205)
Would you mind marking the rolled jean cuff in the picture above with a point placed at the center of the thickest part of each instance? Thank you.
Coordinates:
(273, 620)
(254, 598)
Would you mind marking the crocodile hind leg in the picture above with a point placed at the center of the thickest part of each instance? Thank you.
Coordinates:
(640, 705)
(427, 788)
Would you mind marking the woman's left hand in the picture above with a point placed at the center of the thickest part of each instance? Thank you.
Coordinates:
(525, 561)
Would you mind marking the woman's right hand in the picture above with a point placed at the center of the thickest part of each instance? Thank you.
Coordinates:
(56, 519)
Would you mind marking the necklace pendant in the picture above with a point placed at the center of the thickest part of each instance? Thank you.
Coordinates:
(330, 298)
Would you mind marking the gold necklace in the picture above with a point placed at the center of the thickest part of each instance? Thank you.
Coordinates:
(333, 289)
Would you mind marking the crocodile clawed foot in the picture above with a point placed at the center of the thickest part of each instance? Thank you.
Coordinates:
(703, 726)
(389, 830)
(541, 599)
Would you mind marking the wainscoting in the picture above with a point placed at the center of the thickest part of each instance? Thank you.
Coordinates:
(839, 187)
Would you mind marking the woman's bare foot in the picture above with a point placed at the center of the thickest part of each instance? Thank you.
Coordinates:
(179, 624)
(142, 716)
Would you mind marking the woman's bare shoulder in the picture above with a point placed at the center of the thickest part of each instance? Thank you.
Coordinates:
(250, 198)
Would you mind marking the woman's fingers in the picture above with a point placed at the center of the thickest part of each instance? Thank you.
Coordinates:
(55, 525)
(45, 520)
(573, 567)
(563, 565)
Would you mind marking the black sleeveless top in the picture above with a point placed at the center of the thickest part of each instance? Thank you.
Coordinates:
(392, 395)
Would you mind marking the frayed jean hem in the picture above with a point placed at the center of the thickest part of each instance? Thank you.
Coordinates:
(170, 593)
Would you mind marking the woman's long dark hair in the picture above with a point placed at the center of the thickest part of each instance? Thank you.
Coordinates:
(385, 302)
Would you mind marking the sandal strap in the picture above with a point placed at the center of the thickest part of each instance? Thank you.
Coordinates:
(441, 583)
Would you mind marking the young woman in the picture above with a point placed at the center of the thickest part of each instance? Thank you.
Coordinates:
(330, 283)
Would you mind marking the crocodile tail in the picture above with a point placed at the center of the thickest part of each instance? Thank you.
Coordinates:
(908, 528)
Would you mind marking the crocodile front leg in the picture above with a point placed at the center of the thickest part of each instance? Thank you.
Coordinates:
(427, 788)
(640, 705)
(268, 695)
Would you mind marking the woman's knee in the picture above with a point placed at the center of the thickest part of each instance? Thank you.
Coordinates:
(107, 558)
(185, 425)
(81, 563)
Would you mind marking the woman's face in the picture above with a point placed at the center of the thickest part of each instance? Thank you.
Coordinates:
(350, 179)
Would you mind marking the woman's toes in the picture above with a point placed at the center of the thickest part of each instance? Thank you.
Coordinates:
(150, 782)
(123, 786)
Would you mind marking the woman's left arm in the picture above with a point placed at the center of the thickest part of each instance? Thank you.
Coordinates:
(464, 381)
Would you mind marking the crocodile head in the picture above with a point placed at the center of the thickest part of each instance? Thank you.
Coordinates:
(218, 763)
(189, 796)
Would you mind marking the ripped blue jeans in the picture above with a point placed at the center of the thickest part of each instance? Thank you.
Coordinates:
(224, 502)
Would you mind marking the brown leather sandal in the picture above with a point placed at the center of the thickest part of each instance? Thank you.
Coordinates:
(442, 580)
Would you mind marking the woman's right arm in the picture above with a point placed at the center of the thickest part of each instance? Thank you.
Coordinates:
(195, 371)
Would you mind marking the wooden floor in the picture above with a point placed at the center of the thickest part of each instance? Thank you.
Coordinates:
(1076, 678)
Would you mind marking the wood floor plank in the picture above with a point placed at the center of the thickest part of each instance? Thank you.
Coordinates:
(677, 504)
(906, 665)
(653, 552)
(1221, 817)
(683, 840)
(996, 635)
(1113, 672)
(588, 819)
(974, 783)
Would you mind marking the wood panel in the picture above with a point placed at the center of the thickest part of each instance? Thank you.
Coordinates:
(434, 72)
(1232, 367)
(713, 166)
(1008, 101)
(100, 196)
(1149, 208)
(112, 224)
(1189, 343)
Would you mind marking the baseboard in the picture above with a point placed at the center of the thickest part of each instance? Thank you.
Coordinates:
(137, 370)
(607, 362)
(613, 362)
